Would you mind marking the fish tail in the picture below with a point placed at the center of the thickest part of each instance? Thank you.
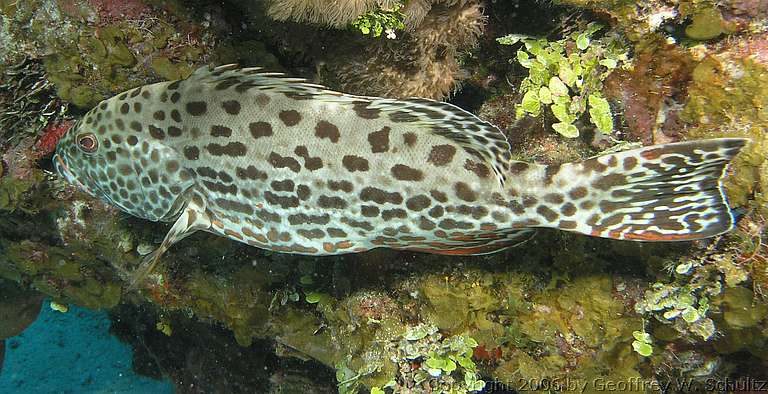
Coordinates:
(671, 192)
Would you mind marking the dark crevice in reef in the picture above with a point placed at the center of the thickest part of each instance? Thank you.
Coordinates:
(202, 358)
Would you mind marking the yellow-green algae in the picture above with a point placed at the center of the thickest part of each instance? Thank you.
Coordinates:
(95, 60)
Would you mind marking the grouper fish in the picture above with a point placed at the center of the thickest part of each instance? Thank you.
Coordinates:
(289, 166)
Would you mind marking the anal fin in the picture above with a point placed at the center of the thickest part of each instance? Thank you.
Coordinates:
(472, 243)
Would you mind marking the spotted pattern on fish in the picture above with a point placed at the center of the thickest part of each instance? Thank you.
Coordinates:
(289, 166)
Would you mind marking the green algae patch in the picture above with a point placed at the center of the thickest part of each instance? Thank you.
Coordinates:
(90, 55)
(727, 98)
(572, 331)
(741, 309)
(455, 306)
(705, 25)
(12, 193)
(63, 273)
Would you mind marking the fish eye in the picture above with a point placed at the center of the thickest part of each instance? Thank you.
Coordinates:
(87, 143)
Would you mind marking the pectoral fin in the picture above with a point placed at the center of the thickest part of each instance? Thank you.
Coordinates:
(193, 218)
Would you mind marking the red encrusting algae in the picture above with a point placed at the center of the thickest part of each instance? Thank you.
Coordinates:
(52, 133)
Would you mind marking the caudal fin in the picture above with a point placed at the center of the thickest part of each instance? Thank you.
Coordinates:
(669, 192)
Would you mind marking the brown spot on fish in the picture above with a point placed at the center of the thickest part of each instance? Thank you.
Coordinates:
(290, 117)
(125, 108)
(234, 206)
(609, 181)
(172, 166)
(630, 163)
(226, 84)
(529, 201)
(568, 209)
(132, 140)
(262, 100)
(220, 187)
(438, 195)
(389, 214)
(249, 233)
(437, 211)
(120, 124)
(362, 110)
(500, 216)
(417, 203)
(426, 224)
(480, 169)
(578, 192)
(197, 108)
(331, 202)
(282, 201)
(479, 212)
(156, 132)
(379, 140)
(380, 196)
(268, 216)
(450, 224)
(174, 131)
(336, 232)
(220, 131)
(554, 198)
(159, 115)
(405, 173)
(547, 213)
(402, 116)
(136, 126)
(174, 85)
(549, 173)
(593, 165)
(310, 163)
(464, 192)
(231, 107)
(233, 234)
(369, 211)
(441, 155)
(303, 192)
(278, 161)
(282, 186)
(176, 116)
(325, 129)
(354, 163)
(345, 186)
(232, 149)
(357, 223)
(136, 108)
(272, 235)
(409, 139)
(301, 218)
(260, 129)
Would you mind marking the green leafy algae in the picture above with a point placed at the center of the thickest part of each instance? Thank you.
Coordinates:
(567, 76)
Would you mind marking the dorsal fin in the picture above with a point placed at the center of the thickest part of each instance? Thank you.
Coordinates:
(478, 137)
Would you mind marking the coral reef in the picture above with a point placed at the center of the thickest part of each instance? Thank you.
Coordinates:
(560, 307)
(103, 47)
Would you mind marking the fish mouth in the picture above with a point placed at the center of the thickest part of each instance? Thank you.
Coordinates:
(62, 169)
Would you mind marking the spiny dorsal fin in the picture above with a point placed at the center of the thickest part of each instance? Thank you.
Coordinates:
(478, 137)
